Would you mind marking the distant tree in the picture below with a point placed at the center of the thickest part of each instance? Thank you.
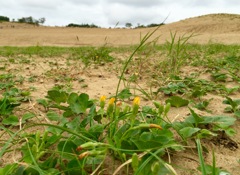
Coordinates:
(41, 20)
(82, 25)
(31, 20)
(4, 18)
(140, 26)
(155, 25)
(128, 25)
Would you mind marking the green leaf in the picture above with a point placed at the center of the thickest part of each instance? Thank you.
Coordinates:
(202, 105)
(9, 168)
(149, 140)
(72, 98)
(230, 132)
(67, 149)
(231, 90)
(6, 107)
(198, 93)
(220, 121)
(57, 96)
(177, 101)
(96, 130)
(201, 159)
(74, 167)
(79, 105)
(237, 114)
(27, 116)
(204, 133)
(228, 109)
(53, 116)
(124, 94)
(219, 76)
(233, 103)
(43, 102)
(188, 131)
(197, 118)
(11, 120)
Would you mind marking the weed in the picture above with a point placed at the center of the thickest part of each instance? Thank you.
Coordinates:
(177, 52)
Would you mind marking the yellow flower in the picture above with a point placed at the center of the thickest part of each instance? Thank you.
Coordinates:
(103, 98)
(136, 101)
(102, 101)
(111, 101)
(110, 108)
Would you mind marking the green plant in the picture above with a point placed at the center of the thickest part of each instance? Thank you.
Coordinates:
(177, 51)
(203, 105)
(99, 56)
(6, 107)
(177, 101)
(234, 106)
(194, 126)
(205, 168)
(173, 88)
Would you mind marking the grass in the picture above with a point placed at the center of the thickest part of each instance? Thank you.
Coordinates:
(79, 135)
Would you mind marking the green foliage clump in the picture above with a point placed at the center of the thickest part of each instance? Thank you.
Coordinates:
(31, 20)
(4, 19)
(83, 25)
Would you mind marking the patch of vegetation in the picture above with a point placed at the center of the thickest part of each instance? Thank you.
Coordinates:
(80, 135)
(4, 19)
(82, 25)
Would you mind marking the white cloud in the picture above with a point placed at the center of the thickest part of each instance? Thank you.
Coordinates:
(35, 4)
(136, 3)
(123, 14)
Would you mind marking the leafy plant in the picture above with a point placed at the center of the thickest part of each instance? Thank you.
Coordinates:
(177, 101)
(234, 106)
(173, 88)
(177, 51)
(98, 55)
(6, 107)
(195, 126)
(203, 105)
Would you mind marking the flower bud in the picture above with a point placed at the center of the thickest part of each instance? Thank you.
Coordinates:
(135, 162)
(83, 155)
(167, 108)
(102, 101)
(136, 103)
(89, 145)
(155, 167)
(110, 106)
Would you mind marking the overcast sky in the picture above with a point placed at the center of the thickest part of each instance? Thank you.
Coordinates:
(107, 13)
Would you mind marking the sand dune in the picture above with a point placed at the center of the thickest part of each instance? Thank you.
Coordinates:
(217, 28)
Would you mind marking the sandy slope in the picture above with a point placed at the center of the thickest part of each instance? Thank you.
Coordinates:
(220, 28)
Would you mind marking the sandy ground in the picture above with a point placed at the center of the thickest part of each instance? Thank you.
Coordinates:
(222, 28)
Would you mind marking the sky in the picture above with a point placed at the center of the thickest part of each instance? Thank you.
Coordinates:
(108, 13)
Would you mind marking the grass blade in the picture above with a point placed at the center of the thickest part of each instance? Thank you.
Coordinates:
(201, 159)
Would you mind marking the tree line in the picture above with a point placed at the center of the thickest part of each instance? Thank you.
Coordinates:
(4, 19)
(29, 20)
(82, 25)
